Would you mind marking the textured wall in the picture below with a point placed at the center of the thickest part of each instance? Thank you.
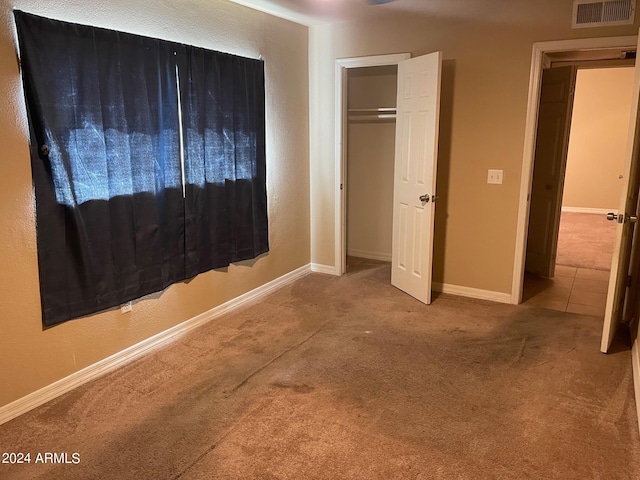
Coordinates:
(31, 358)
(487, 63)
(598, 140)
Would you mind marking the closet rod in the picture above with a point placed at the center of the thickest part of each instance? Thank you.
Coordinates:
(384, 116)
(371, 114)
(372, 110)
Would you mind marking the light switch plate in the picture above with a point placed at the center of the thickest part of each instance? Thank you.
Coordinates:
(495, 177)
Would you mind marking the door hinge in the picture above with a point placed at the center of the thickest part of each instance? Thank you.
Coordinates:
(629, 280)
(340, 186)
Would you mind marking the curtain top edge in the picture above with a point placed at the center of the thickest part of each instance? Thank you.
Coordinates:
(21, 15)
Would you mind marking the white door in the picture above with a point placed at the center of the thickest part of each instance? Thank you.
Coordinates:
(418, 111)
(552, 146)
(618, 285)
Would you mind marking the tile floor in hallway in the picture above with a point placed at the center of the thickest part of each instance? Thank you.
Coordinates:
(575, 290)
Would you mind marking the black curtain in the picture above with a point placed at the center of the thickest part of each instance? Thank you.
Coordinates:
(115, 218)
(103, 115)
(223, 121)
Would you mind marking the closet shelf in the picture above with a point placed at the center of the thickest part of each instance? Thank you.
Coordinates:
(371, 110)
(371, 114)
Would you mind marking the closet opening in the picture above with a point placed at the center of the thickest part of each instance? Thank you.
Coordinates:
(366, 91)
(368, 176)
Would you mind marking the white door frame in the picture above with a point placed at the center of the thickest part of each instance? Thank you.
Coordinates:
(526, 178)
(342, 64)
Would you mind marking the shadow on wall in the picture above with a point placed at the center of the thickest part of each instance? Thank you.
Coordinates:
(444, 167)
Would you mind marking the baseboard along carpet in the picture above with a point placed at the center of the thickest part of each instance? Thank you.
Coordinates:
(349, 378)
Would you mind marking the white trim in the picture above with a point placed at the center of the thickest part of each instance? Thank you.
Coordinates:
(499, 297)
(117, 360)
(383, 257)
(535, 80)
(373, 60)
(595, 211)
(326, 269)
(340, 155)
(635, 364)
(342, 64)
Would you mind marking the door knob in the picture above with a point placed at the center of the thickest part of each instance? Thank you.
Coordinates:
(425, 198)
(622, 218)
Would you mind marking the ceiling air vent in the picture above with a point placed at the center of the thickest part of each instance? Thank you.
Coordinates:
(588, 13)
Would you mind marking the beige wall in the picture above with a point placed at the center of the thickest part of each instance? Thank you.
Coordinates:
(487, 62)
(598, 140)
(370, 155)
(31, 358)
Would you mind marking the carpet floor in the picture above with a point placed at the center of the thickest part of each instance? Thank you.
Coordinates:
(585, 241)
(349, 378)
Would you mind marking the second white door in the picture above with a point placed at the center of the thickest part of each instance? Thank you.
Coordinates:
(552, 145)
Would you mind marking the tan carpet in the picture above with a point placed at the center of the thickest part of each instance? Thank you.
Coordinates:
(348, 378)
(585, 241)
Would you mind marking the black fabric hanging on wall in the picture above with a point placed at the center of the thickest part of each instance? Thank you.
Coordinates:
(223, 121)
(115, 220)
(106, 165)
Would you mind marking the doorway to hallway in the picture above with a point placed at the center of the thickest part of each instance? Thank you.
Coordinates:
(591, 187)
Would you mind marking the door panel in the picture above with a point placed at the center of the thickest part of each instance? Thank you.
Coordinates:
(418, 114)
(552, 144)
(615, 313)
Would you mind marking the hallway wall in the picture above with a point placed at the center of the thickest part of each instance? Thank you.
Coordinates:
(598, 139)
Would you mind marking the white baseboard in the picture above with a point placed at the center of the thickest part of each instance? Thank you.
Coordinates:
(472, 292)
(384, 257)
(327, 269)
(98, 369)
(635, 363)
(596, 211)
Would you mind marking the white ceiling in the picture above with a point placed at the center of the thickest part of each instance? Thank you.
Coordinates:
(314, 12)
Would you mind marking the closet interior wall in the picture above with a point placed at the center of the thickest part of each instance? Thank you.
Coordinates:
(371, 103)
